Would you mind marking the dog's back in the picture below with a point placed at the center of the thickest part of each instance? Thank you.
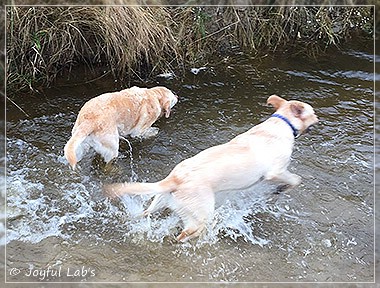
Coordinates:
(97, 116)
(104, 118)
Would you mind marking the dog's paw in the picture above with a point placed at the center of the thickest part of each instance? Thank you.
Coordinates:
(146, 213)
(151, 132)
(282, 188)
(183, 237)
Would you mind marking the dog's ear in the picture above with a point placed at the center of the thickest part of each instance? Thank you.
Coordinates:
(167, 108)
(165, 104)
(297, 109)
(163, 99)
(276, 101)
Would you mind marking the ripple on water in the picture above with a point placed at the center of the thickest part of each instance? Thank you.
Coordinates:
(320, 231)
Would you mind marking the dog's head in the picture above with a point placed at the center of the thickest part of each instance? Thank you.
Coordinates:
(300, 114)
(166, 98)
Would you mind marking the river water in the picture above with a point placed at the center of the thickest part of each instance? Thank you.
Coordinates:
(60, 228)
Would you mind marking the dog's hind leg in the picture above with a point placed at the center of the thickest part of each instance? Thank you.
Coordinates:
(157, 203)
(195, 211)
(107, 145)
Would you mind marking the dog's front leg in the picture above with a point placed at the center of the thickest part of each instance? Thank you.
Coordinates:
(288, 180)
(150, 132)
(145, 133)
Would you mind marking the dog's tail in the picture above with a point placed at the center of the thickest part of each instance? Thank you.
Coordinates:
(73, 150)
(120, 189)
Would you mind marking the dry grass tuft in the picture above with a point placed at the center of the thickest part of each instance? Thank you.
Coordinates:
(43, 41)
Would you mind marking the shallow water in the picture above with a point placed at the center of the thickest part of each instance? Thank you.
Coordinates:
(59, 221)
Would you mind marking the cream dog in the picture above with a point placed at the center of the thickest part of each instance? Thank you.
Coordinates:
(103, 119)
(261, 153)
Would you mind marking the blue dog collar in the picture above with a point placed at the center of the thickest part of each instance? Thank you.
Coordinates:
(295, 131)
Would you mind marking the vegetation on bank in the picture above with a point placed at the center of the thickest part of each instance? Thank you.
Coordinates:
(143, 41)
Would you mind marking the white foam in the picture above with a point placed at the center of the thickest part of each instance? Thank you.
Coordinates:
(33, 220)
(43, 202)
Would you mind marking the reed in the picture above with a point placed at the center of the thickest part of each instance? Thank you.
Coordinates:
(142, 41)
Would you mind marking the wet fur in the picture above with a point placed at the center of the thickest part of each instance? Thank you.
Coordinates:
(263, 152)
(103, 119)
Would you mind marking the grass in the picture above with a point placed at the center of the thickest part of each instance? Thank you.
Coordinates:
(142, 41)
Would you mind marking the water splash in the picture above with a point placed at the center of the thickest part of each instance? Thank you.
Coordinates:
(45, 199)
(134, 176)
(52, 206)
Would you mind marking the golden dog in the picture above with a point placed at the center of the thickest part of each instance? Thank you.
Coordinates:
(261, 153)
(103, 119)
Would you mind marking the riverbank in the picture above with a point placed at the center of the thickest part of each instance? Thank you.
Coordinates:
(140, 42)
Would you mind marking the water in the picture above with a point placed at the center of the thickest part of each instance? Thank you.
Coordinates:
(320, 231)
